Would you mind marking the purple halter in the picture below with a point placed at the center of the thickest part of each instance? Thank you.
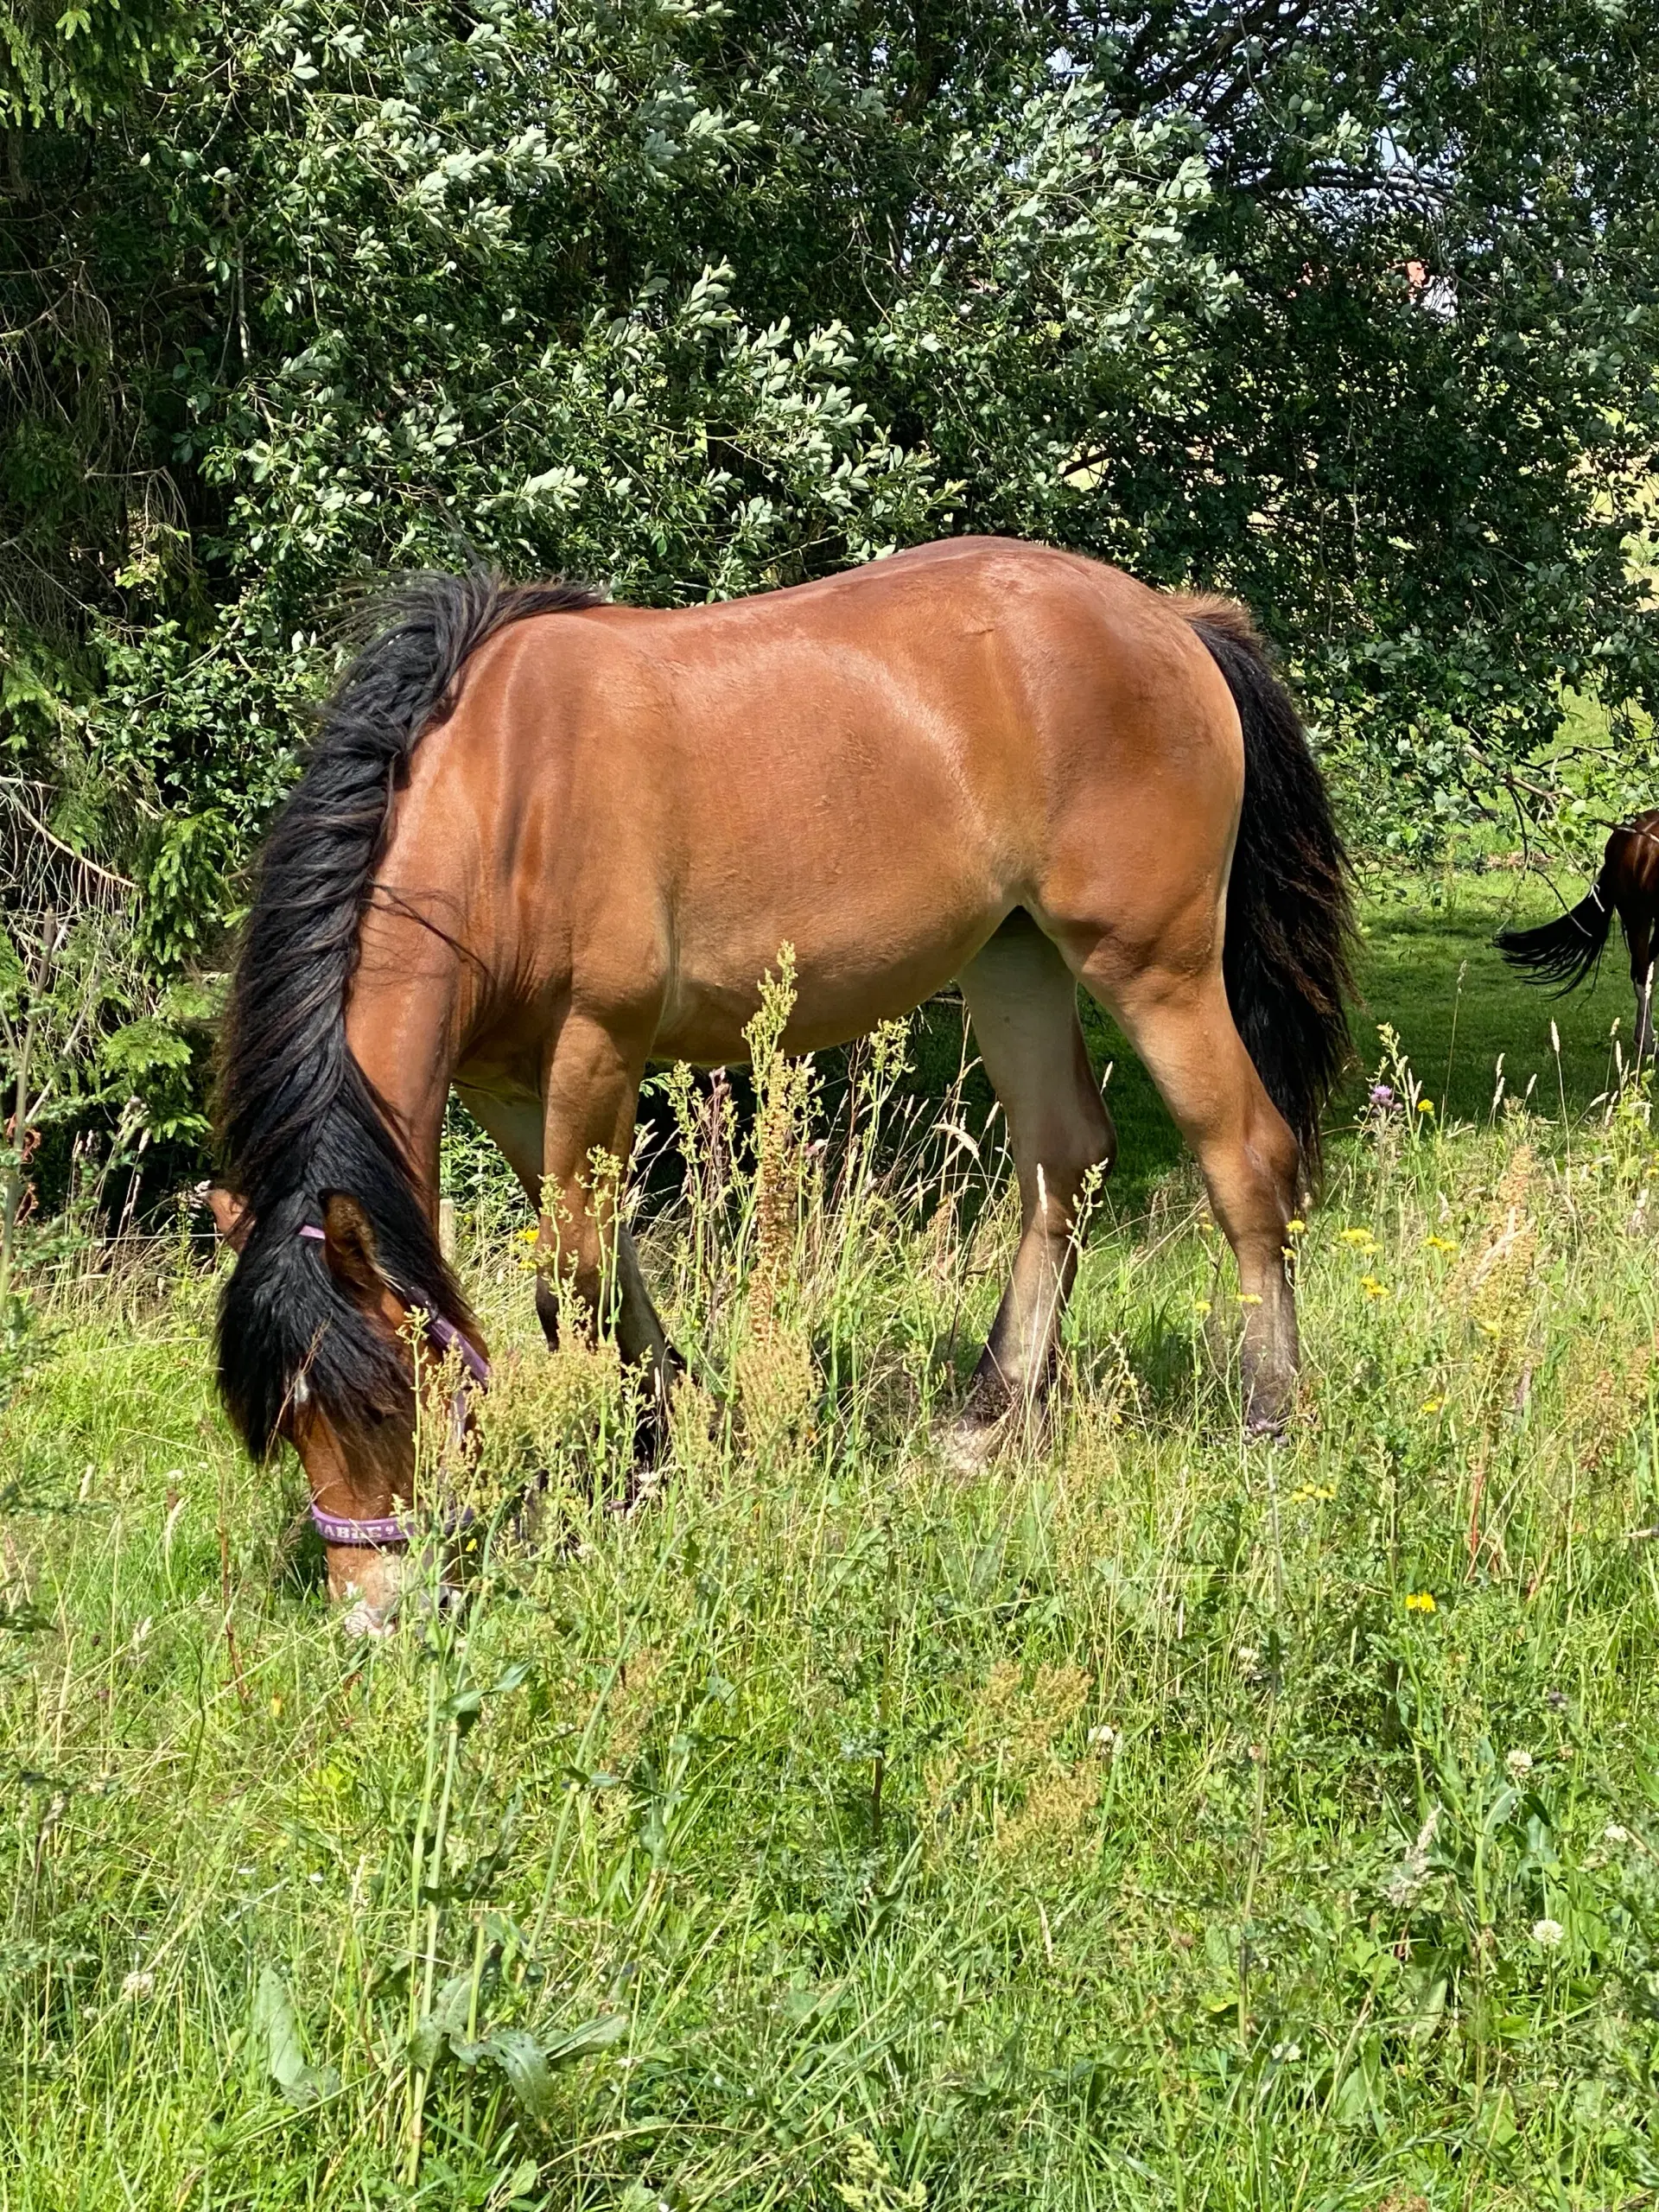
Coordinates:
(376, 1535)
(398, 1527)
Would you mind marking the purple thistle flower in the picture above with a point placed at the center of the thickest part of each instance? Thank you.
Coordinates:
(1381, 1095)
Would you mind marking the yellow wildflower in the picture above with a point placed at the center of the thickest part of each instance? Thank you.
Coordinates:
(1309, 1491)
(1359, 1236)
(1200, 1306)
(1294, 1226)
(1248, 1298)
(1372, 1288)
(1438, 1244)
(1433, 1405)
(1425, 1105)
(1421, 1601)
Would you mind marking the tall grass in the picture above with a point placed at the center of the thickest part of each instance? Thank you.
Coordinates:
(1151, 1820)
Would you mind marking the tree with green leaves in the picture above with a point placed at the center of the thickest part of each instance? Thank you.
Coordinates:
(1347, 310)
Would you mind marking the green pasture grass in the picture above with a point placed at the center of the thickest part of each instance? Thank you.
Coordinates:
(1152, 1819)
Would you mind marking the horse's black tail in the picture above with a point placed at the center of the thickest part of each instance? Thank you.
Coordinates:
(297, 1118)
(1288, 958)
(1565, 950)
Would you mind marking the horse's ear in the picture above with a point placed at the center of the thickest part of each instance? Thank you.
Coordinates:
(349, 1246)
(233, 1216)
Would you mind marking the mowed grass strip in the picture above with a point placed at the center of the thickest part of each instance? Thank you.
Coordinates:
(1154, 1819)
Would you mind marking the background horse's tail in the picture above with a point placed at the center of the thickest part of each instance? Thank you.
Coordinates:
(1565, 950)
(297, 1118)
(1290, 920)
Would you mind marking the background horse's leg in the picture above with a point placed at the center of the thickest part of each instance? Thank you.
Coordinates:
(1639, 935)
(1182, 1027)
(1023, 1001)
(592, 1092)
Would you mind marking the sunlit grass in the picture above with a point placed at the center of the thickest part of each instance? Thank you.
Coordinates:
(1154, 1819)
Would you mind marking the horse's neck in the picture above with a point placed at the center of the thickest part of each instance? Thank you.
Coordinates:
(412, 999)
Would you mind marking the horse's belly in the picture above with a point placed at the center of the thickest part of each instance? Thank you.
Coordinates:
(880, 827)
(847, 978)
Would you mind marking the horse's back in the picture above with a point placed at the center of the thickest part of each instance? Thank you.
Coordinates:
(875, 768)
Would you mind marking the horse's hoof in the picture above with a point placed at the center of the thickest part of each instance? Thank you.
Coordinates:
(968, 1447)
(1265, 1425)
(644, 1488)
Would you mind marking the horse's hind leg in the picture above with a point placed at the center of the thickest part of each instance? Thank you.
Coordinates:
(592, 1093)
(1180, 1025)
(1023, 1001)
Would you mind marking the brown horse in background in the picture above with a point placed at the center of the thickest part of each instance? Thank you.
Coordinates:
(1627, 884)
(544, 841)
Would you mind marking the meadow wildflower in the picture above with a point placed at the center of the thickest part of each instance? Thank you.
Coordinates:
(1373, 1288)
(1295, 1225)
(1432, 1405)
(138, 1986)
(1438, 1244)
(1519, 1762)
(1381, 1094)
(1307, 1492)
(1421, 1601)
(1361, 1237)
(1200, 1306)
(1405, 1885)
(1425, 1105)
(1614, 1833)
(1104, 1741)
(1548, 1935)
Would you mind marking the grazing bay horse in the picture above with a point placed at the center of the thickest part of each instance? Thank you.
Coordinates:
(543, 841)
(1627, 884)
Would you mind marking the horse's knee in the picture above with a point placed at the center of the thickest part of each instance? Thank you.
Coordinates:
(1055, 1175)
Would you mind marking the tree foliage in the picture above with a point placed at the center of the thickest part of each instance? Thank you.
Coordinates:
(1348, 310)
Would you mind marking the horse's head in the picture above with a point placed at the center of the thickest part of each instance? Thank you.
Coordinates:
(413, 1371)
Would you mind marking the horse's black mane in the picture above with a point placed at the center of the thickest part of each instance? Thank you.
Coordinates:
(297, 1119)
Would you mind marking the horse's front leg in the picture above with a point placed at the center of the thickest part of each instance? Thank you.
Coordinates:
(592, 1093)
